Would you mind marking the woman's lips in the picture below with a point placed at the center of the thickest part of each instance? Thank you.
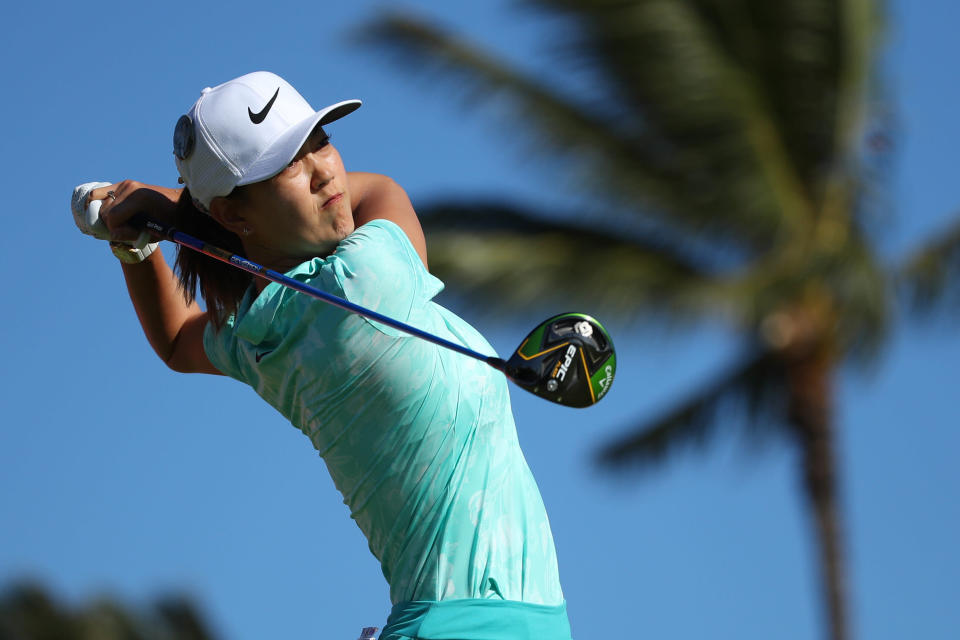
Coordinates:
(333, 200)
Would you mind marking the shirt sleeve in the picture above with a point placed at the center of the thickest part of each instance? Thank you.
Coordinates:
(378, 268)
(220, 347)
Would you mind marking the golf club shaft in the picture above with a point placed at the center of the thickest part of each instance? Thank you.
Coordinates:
(185, 240)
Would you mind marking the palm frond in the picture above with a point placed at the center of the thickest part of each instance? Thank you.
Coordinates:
(691, 182)
(751, 393)
(668, 62)
(930, 277)
(510, 256)
(28, 610)
(862, 30)
(787, 76)
(182, 618)
(860, 285)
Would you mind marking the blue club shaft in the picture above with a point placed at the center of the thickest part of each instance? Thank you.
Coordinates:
(186, 240)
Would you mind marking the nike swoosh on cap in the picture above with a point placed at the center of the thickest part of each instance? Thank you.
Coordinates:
(257, 118)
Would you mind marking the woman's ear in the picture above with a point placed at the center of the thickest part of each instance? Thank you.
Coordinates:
(228, 215)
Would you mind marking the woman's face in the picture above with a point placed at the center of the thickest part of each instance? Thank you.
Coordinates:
(299, 214)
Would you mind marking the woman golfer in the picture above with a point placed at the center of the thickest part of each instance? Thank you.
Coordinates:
(419, 440)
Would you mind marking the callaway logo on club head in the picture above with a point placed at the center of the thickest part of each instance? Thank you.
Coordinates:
(605, 381)
(257, 118)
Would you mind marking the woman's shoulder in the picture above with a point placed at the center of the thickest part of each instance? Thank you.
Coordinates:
(378, 242)
(378, 197)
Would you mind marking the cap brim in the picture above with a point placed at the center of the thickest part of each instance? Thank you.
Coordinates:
(285, 148)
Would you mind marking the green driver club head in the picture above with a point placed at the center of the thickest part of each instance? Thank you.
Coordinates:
(568, 359)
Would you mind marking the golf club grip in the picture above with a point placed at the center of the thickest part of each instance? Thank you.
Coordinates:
(167, 232)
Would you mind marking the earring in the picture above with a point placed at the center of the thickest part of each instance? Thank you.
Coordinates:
(246, 231)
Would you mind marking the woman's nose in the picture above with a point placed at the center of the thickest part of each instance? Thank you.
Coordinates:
(320, 174)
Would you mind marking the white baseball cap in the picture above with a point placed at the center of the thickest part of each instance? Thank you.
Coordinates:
(243, 131)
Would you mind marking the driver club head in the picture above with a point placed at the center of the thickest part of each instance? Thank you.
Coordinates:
(568, 359)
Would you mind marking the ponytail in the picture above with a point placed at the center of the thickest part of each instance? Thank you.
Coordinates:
(221, 285)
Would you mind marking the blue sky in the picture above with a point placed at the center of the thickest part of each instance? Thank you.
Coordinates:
(118, 476)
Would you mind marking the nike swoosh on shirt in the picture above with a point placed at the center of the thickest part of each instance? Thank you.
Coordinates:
(262, 354)
(257, 118)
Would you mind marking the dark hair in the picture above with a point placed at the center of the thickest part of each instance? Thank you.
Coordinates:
(221, 285)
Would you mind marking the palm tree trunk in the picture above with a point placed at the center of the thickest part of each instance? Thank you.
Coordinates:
(812, 418)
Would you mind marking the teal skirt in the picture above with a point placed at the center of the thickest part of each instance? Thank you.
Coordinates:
(469, 619)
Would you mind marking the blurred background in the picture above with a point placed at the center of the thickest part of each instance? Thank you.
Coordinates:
(757, 198)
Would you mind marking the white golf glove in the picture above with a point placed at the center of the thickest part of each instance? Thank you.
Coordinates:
(87, 218)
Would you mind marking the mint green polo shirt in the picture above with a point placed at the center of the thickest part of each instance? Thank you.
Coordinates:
(419, 440)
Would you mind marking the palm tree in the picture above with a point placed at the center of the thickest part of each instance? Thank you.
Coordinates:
(735, 158)
(29, 612)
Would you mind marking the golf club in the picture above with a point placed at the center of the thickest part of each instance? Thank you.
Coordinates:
(567, 359)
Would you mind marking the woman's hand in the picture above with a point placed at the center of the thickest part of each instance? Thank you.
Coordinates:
(123, 200)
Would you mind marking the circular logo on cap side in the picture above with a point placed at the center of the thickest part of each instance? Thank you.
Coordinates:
(183, 138)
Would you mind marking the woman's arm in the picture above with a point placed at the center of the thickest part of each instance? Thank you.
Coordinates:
(375, 196)
(173, 327)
